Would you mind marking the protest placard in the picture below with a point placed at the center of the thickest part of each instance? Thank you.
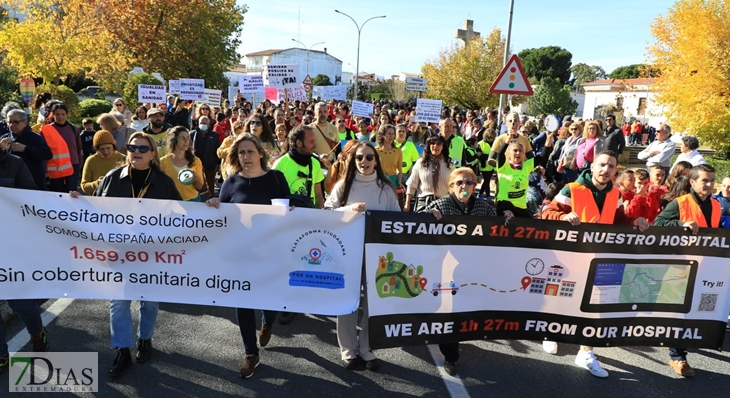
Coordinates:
(428, 110)
(192, 89)
(271, 94)
(174, 86)
(251, 84)
(293, 93)
(282, 76)
(363, 109)
(151, 93)
(212, 97)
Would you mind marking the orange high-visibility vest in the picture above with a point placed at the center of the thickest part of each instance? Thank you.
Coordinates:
(689, 210)
(60, 164)
(583, 204)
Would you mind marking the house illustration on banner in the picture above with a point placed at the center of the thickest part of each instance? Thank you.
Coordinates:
(537, 286)
(567, 288)
(555, 274)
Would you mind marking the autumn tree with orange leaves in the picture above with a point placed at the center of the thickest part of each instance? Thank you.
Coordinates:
(691, 53)
(462, 75)
(107, 38)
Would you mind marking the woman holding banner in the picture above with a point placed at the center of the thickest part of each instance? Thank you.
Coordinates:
(363, 187)
(251, 182)
(460, 202)
(140, 177)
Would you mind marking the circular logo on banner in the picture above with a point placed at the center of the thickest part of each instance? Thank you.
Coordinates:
(315, 254)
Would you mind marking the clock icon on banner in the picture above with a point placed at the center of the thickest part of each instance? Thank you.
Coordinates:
(534, 266)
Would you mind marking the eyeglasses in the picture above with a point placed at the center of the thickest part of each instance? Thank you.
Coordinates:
(204, 109)
(437, 143)
(14, 122)
(369, 157)
(572, 129)
(256, 123)
(140, 148)
(340, 121)
(118, 104)
(468, 183)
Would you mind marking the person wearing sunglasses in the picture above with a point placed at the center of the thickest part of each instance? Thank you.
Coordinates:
(140, 177)
(460, 201)
(121, 106)
(363, 187)
(260, 127)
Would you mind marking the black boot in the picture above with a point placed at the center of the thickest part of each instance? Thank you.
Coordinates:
(144, 350)
(122, 362)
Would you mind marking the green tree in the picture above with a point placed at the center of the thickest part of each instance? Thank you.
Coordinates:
(363, 91)
(463, 74)
(626, 72)
(131, 90)
(550, 61)
(321, 80)
(551, 98)
(584, 73)
(63, 94)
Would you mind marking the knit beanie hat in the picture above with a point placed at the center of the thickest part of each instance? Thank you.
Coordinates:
(104, 137)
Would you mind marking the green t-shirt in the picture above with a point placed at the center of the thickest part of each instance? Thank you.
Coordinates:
(297, 175)
(513, 183)
(456, 150)
(410, 155)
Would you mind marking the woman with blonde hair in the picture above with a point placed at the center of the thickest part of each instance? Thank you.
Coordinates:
(140, 177)
(120, 105)
(593, 143)
(391, 158)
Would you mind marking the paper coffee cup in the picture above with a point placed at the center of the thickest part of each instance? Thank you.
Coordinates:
(280, 202)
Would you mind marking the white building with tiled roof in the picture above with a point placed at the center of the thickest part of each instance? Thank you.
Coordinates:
(631, 97)
(320, 62)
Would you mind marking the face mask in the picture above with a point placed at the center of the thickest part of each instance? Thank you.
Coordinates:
(203, 127)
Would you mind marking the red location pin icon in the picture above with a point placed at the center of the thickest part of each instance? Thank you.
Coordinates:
(526, 281)
(423, 282)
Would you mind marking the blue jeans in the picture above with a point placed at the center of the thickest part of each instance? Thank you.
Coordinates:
(30, 313)
(120, 321)
(677, 354)
(246, 319)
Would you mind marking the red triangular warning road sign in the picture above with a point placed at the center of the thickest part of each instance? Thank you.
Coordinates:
(512, 79)
(307, 80)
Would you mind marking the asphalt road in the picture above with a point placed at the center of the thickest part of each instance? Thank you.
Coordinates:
(199, 351)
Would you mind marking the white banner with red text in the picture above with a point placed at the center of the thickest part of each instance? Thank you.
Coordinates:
(475, 278)
(262, 257)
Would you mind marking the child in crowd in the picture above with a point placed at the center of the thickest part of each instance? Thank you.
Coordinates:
(222, 127)
(657, 189)
(87, 138)
(281, 138)
(634, 186)
(363, 134)
(550, 193)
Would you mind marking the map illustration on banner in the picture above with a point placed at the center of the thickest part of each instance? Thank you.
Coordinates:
(282, 76)
(512, 79)
(471, 278)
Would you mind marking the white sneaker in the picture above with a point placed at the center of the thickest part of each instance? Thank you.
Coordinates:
(587, 360)
(550, 347)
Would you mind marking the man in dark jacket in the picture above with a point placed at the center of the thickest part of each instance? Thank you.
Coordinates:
(15, 174)
(205, 146)
(27, 145)
(614, 136)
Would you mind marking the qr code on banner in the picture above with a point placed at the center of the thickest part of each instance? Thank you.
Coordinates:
(707, 302)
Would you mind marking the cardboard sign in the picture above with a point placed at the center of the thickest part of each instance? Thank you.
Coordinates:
(192, 89)
(151, 93)
(271, 94)
(330, 92)
(174, 86)
(363, 109)
(282, 76)
(294, 94)
(251, 84)
(428, 110)
(212, 97)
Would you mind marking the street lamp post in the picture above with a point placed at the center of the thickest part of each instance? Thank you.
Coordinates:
(307, 48)
(359, 30)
